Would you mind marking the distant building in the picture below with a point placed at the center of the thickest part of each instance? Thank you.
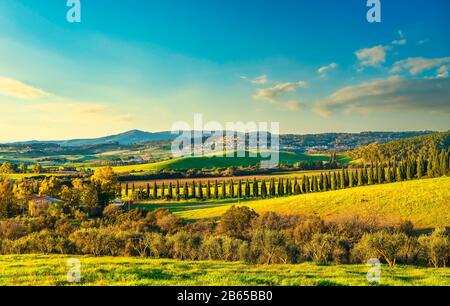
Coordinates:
(39, 205)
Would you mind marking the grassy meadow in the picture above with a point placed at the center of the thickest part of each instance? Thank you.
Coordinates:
(211, 162)
(424, 202)
(51, 270)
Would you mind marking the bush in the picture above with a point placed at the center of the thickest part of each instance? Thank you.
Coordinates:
(185, 246)
(324, 248)
(236, 222)
(220, 248)
(436, 248)
(270, 247)
(12, 229)
(44, 242)
(100, 241)
(383, 245)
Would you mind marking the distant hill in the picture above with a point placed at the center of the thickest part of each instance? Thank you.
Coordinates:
(130, 137)
(399, 149)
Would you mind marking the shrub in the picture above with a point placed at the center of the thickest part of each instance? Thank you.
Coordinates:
(100, 241)
(185, 246)
(236, 222)
(44, 242)
(220, 248)
(436, 248)
(324, 248)
(384, 245)
(270, 246)
(12, 229)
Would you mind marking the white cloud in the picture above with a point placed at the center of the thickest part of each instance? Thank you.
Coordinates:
(391, 94)
(443, 72)
(372, 57)
(261, 80)
(416, 65)
(324, 69)
(402, 41)
(423, 41)
(278, 91)
(18, 89)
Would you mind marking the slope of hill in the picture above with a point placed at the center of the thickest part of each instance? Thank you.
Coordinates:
(206, 162)
(414, 146)
(423, 202)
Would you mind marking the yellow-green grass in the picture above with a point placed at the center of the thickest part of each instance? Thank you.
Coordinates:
(426, 203)
(18, 176)
(210, 162)
(51, 270)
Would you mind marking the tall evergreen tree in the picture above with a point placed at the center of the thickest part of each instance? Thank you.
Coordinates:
(231, 189)
(239, 189)
(170, 191)
(200, 190)
(208, 190)
(263, 189)
(163, 191)
(185, 191)
(224, 190)
(216, 190)
(126, 189)
(255, 188)
(155, 191)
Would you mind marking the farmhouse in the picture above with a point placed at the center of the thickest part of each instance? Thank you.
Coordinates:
(39, 205)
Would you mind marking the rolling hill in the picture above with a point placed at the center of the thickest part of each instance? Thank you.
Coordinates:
(423, 202)
(208, 162)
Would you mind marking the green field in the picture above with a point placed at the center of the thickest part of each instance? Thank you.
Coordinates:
(211, 162)
(424, 202)
(51, 270)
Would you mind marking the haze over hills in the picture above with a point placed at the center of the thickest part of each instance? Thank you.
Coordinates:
(288, 141)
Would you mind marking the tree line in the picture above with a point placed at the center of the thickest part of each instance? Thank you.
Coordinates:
(409, 168)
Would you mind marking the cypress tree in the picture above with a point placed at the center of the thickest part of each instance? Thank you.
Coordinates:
(314, 183)
(399, 175)
(177, 190)
(247, 189)
(240, 189)
(200, 190)
(216, 190)
(185, 191)
(350, 179)
(208, 190)
(194, 190)
(333, 181)
(369, 176)
(170, 191)
(444, 162)
(163, 191)
(126, 189)
(342, 182)
(408, 170)
(231, 189)
(297, 189)
(224, 189)
(155, 191)
(263, 189)
(325, 182)
(419, 168)
(147, 192)
(255, 188)
(133, 189)
(360, 177)
(380, 174)
(272, 187)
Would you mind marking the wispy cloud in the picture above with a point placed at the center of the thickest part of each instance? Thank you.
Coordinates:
(261, 80)
(417, 65)
(391, 94)
(17, 89)
(423, 41)
(372, 57)
(322, 70)
(402, 40)
(278, 91)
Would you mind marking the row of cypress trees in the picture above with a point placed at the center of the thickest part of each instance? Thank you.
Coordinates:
(379, 173)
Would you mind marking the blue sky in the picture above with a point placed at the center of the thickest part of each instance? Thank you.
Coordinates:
(313, 66)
